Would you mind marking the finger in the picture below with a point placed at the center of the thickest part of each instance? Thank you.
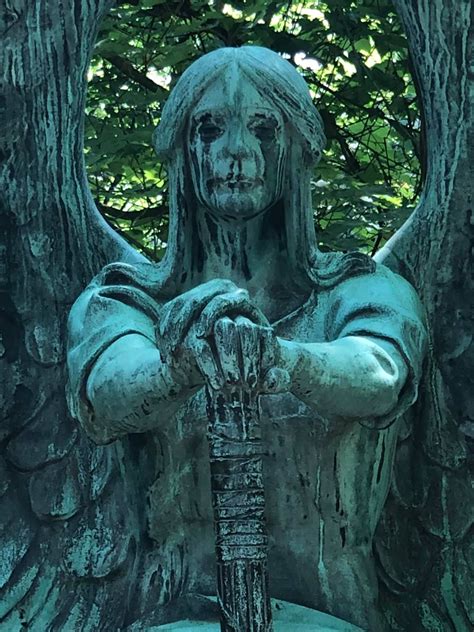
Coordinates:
(175, 320)
(268, 348)
(237, 303)
(207, 365)
(227, 344)
(276, 381)
(177, 315)
(250, 349)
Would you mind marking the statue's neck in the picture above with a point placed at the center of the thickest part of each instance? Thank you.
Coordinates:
(249, 253)
(235, 250)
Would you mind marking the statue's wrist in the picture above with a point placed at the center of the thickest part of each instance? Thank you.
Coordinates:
(177, 385)
(291, 358)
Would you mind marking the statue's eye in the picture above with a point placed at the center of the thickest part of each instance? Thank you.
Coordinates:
(264, 130)
(209, 132)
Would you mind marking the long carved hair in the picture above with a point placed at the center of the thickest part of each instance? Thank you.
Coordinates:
(279, 82)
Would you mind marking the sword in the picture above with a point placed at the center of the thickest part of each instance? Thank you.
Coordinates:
(235, 450)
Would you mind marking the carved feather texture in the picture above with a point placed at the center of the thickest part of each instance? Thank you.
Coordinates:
(425, 539)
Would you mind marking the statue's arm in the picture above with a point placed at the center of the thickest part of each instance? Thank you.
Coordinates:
(353, 377)
(130, 389)
(118, 380)
(370, 365)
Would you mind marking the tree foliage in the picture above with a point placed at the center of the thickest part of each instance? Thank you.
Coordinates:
(353, 54)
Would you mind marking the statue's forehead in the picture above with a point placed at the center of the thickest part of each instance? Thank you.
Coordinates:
(232, 90)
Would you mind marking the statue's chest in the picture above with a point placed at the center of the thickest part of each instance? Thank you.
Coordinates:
(292, 434)
(304, 324)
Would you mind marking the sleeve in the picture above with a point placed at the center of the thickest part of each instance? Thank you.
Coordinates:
(383, 305)
(100, 316)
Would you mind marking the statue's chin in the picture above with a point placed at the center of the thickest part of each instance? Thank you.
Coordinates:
(236, 206)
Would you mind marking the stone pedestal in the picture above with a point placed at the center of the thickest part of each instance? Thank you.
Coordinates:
(287, 617)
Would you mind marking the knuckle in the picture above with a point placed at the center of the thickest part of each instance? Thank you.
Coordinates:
(247, 324)
(222, 284)
(242, 292)
(224, 326)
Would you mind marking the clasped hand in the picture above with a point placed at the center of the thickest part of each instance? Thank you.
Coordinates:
(214, 334)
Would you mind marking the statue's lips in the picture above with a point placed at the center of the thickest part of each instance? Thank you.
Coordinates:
(241, 185)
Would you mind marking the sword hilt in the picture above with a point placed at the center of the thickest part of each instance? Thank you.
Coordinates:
(235, 448)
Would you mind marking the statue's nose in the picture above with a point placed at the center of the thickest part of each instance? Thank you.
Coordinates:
(237, 145)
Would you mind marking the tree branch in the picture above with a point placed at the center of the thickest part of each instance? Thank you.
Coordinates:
(127, 69)
(154, 212)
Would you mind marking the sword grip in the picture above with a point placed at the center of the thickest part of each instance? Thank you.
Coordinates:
(235, 449)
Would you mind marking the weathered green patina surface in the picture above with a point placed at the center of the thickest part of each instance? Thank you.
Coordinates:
(75, 551)
(331, 344)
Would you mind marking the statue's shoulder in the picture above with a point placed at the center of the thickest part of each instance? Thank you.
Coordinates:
(144, 275)
(144, 279)
(379, 304)
(377, 301)
(359, 278)
(113, 293)
(330, 269)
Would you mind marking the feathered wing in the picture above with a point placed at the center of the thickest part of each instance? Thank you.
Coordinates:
(70, 514)
(424, 544)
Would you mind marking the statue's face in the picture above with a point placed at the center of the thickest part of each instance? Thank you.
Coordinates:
(237, 146)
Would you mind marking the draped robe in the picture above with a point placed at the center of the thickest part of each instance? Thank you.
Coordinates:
(326, 479)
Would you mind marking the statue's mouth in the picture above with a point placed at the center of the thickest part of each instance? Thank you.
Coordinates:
(239, 184)
(242, 184)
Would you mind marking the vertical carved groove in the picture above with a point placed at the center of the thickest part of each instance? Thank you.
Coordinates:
(434, 251)
(235, 449)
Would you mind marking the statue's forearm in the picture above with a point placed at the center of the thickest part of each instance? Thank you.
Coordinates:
(131, 390)
(353, 377)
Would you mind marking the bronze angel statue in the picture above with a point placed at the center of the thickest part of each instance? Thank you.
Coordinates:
(292, 412)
